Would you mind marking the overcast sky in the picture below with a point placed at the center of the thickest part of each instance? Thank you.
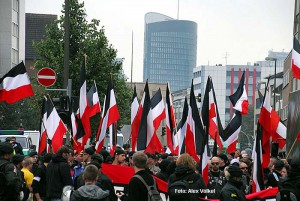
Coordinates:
(245, 29)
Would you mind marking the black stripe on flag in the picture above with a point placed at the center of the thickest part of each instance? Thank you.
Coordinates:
(15, 71)
(90, 95)
(239, 92)
(296, 45)
(233, 125)
(156, 99)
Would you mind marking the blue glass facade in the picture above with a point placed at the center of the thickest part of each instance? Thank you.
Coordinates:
(170, 51)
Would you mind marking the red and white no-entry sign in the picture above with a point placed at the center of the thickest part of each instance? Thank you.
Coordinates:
(46, 77)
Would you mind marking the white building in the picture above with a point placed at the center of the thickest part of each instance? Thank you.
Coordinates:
(12, 34)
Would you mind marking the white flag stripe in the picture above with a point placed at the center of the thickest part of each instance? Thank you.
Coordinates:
(10, 83)
(233, 137)
(296, 57)
(52, 123)
(134, 108)
(281, 130)
(48, 77)
(83, 100)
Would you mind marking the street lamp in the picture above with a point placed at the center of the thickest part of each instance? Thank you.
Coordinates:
(275, 60)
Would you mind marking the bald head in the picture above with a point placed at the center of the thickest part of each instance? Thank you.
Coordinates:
(215, 164)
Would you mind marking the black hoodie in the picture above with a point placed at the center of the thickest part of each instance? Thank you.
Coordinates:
(195, 181)
(58, 175)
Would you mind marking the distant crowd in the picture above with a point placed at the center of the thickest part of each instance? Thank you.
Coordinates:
(69, 175)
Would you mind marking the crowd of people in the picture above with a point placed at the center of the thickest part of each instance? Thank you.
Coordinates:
(45, 177)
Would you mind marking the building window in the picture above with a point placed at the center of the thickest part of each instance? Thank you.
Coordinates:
(286, 78)
(16, 5)
(15, 57)
(15, 30)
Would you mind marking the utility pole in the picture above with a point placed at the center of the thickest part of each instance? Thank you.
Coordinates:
(131, 59)
(66, 44)
(226, 56)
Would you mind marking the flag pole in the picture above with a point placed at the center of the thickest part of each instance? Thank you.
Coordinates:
(174, 119)
(287, 156)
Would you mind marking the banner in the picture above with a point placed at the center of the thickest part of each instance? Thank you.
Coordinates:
(121, 175)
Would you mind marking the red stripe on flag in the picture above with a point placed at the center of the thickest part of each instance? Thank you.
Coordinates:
(17, 94)
(113, 115)
(43, 143)
(57, 140)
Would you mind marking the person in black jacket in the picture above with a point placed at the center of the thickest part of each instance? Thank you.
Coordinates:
(232, 190)
(39, 181)
(275, 176)
(163, 174)
(58, 173)
(185, 171)
(9, 180)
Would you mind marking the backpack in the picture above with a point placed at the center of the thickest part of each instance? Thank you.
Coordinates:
(153, 194)
(179, 190)
(288, 190)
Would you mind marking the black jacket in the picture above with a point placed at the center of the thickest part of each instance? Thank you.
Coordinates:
(232, 191)
(39, 181)
(195, 181)
(273, 179)
(216, 181)
(9, 182)
(58, 175)
(89, 193)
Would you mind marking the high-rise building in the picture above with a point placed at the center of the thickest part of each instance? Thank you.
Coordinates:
(12, 34)
(170, 50)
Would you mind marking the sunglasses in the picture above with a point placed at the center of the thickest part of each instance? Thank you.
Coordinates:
(215, 163)
(244, 168)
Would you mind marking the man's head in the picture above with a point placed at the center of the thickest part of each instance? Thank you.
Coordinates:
(6, 150)
(278, 165)
(244, 168)
(98, 158)
(119, 157)
(126, 147)
(34, 156)
(47, 158)
(17, 160)
(64, 151)
(187, 161)
(223, 159)
(235, 173)
(215, 164)
(78, 157)
(27, 162)
(150, 160)
(87, 154)
(235, 162)
(90, 174)
(139, 160)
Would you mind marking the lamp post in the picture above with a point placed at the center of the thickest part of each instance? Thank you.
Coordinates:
(275, 60)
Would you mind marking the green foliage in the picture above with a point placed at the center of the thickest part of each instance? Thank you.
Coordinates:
(85, 38)
(248, 128)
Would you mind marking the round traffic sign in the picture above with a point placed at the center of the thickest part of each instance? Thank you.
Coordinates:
(46, 77)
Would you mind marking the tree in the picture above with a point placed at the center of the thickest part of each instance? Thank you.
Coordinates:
(85, 38)
(247, 130)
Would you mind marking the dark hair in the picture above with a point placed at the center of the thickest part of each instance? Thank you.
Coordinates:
(63, 149)
(126, 146)
(90, 173)
(47, 158)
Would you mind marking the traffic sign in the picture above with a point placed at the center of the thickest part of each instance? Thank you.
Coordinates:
(46, 77)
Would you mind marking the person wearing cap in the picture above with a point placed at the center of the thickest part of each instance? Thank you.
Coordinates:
(235, 162)
(232, 189)
(58, 174)
(246, 177)
(87, 154)
(216, 179)
(151, 163)
(275, 175)
(34, 158)
(223, 161)
(39, 180)
(119, 157)
(9, 181)
(90, 191)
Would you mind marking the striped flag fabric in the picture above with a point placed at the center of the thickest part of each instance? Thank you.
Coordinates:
(231, 132)
(83, 109)
(15, 85)
(257, 157)
(172, 138)
(296, 58)
(280, 134)
(181, 128)
(43, 133)
(239, 98)
(144, 129)
(110, 115)
(210, 114)
(136, 113)
(93, 100)
(54, 126)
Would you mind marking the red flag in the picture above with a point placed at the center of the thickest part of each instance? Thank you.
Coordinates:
(172, 139)
(83, 109)
(136, 113)
(298, 137)
(93, 101)
(54, 126)
(15, 85)
(109, 116)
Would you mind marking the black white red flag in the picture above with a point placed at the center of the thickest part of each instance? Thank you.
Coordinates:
(296, 59)
(93, 101)
(110, 115)
(181, 128)
(239, 99)
(55, 127)
(231, 132)
(257, 157)
(210, 115)
(172, 139)
(84, 109)
(136, 113)
(194, 133)
(43, 133)
(15, 85)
